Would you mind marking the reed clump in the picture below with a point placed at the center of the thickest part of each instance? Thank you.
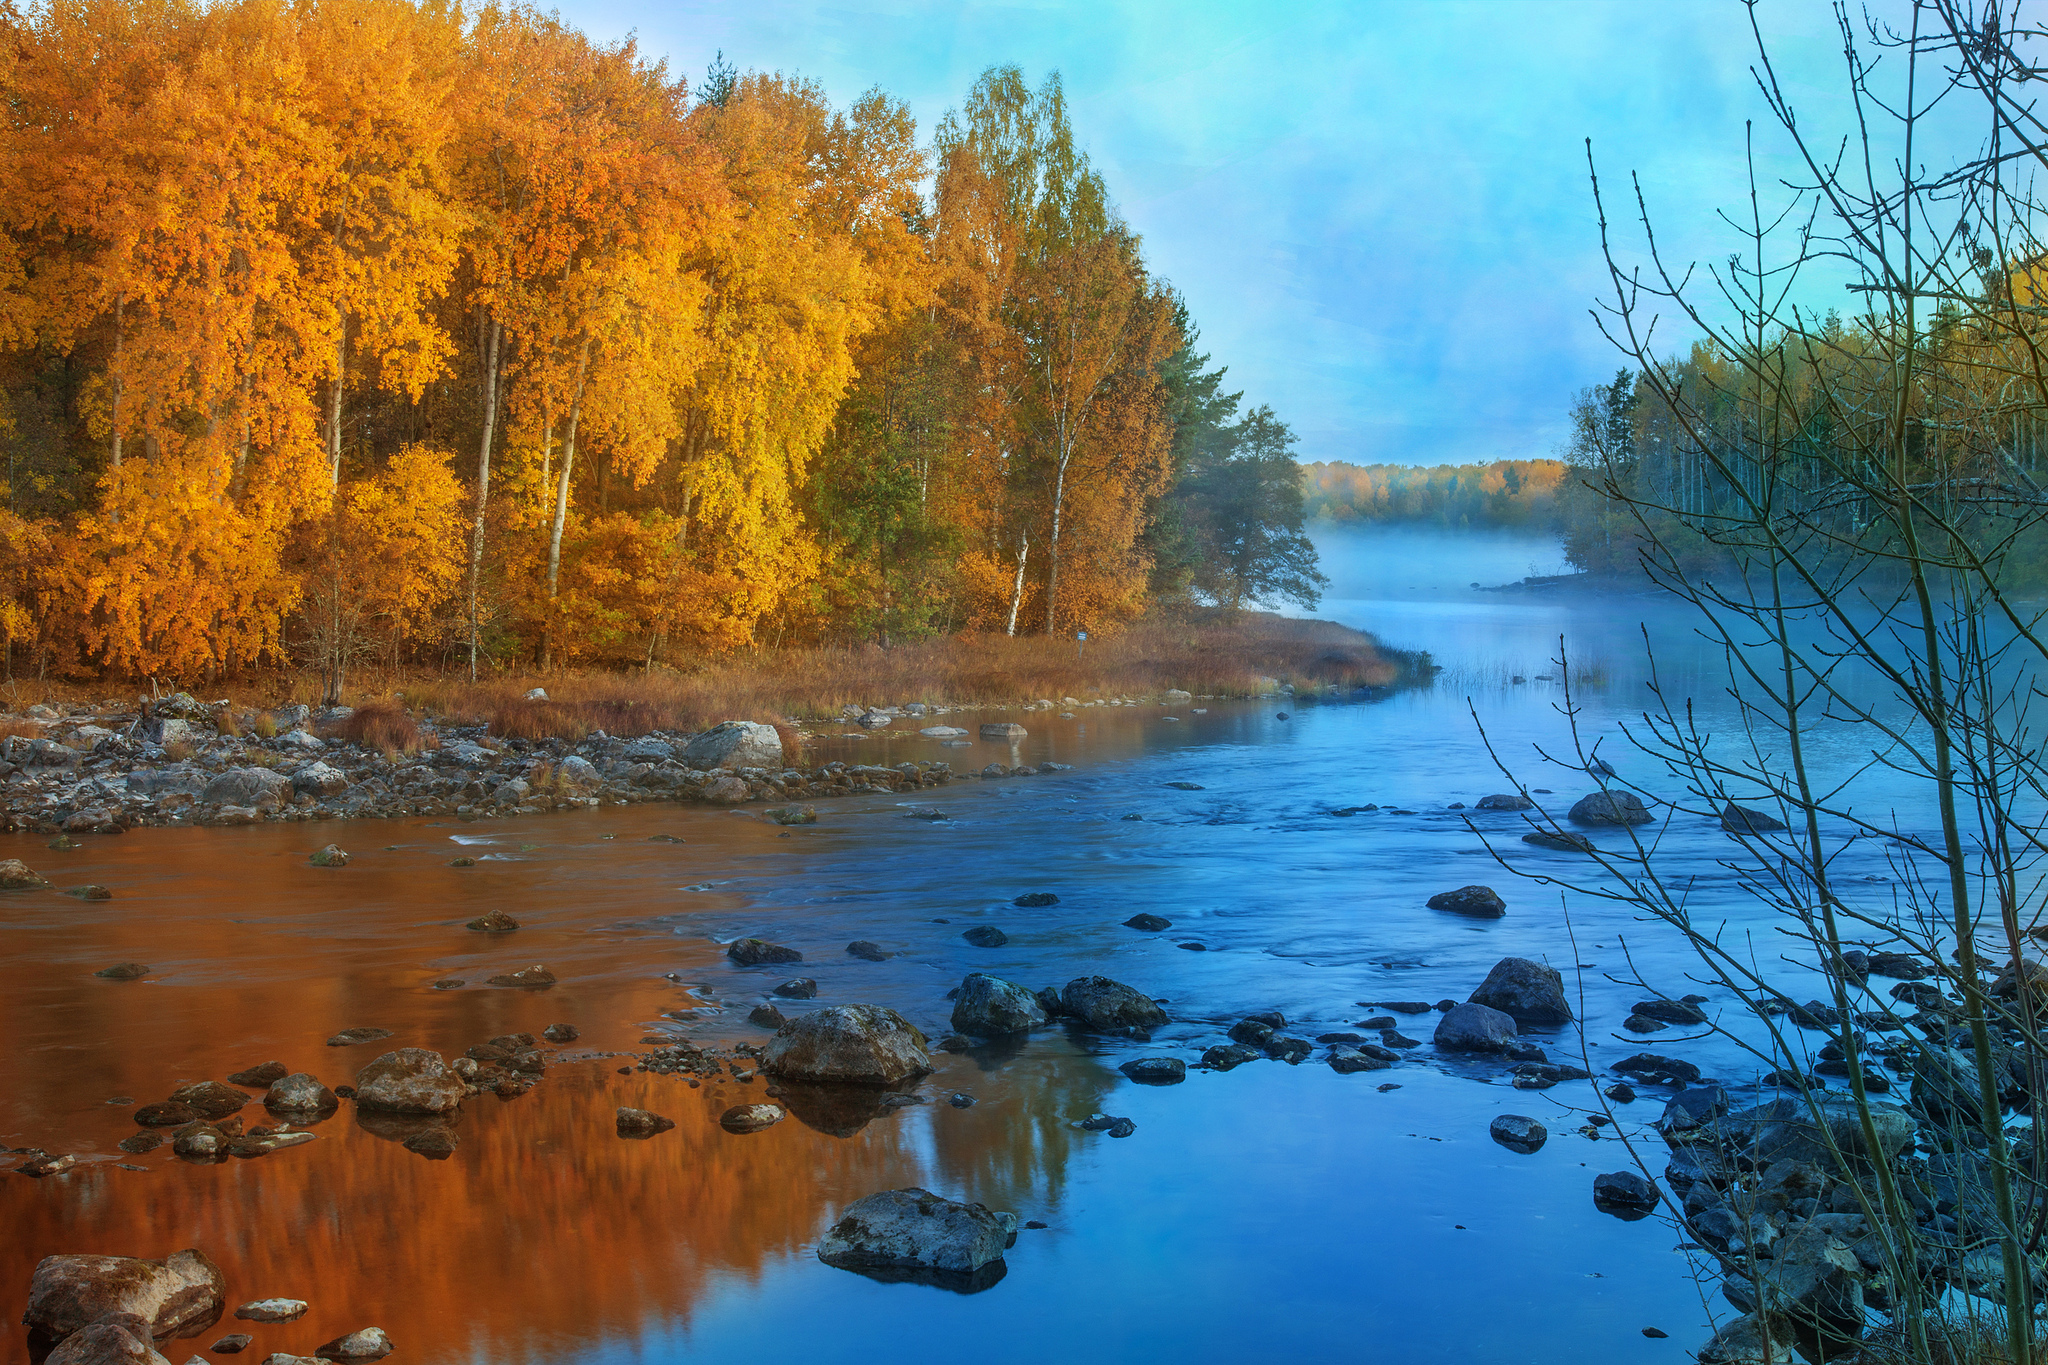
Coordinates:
(381, 725)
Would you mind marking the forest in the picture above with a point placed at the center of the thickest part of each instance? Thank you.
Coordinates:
(1519, 493)
(388, 331)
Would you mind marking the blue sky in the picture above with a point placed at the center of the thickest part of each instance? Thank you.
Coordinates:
(1378, 212)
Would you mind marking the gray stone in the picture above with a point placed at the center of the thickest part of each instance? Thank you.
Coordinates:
(1741, 1341)
(750, 1118)
(1747, 820)
(1479, 902)
(1624, 1192)
(986, 936)
(640, 1123)
(1008, 730)
(1517, 1132)
(300, 1092)
(256, 788)
(1156, 1070)
(797, 988)
(989, 1006)
(735, 744)
(913, 1229)
(1610, 808)
(848, 1044)
(319, 779)
(118, 1339)
(1529, 991)
(1513, 801)
(368, 1343)
(272, 1310)
(752, 952)
(411, 1080)
(69, 1293)
(1474, 1028)
(1110, 1006)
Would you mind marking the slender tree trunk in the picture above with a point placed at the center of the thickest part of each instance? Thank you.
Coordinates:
(334, 406)
(1052, 572)
(568, 467)
(242, 450)
(120, 301)
(1017, 591)
(490, 335)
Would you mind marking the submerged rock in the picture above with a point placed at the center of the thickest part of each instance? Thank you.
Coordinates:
(123, 971)
(986, 936)
(349, 1037)
(1156, 1070)
(1610, 808)
(260, 1077)
(1563, 843)
(640, 1123)
(868, 952)
(493, 922)
(1034, 900)
(333, 855)
(752, 952)
(916, 1230)
(1748, 820)
(1150, 924)
(536, 975)
(1479, 902)
(1505, 801)
(989, 1006)
(411, 1080)
(69, 1293)
(848, 1044)
(1529, 991)
(1110, 1006)
(1474, 1028)
(750, 1118)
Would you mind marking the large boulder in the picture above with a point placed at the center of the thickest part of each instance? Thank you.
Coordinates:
(1474, 1028)
(735, 744)
(69, 1293)
(411, 1080)
(118, 1339)
(918, 1231)
(1530, 991)
(1110, 1006)
(1810, 1291)
(1479, 902)
(319, 779)
(16, 875)
(254, 788)
(848, 1044)
(1785, 1130)
(1610, 808)
(990, 1006)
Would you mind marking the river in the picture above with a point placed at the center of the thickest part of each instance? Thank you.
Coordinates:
(1269, 1212)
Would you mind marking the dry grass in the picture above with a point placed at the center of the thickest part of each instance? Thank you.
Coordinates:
(265, 726)
(380, 725)
(10, 728)
(1210, 655)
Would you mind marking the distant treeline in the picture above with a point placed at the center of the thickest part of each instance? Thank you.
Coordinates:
(1523, 493)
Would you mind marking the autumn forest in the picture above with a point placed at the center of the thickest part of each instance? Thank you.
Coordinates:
(378, 330)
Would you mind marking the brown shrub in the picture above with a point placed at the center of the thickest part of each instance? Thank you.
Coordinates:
(381, 725)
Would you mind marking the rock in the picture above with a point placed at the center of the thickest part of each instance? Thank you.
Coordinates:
(848, 1044)
(349, 1037)
(797, 988)
(253, 1146)
(272, 1310)
(1008, 730)
(1746, 820)
(735, 744)
(411, 1080)
(915, 1230)
(728, 791)
(260, 1077)
(942, 732)
(1529, 991)
(118, 1339)
(1252, 1032)
(15, 875)
(209, 1099)
(792, 815)
(752, 952)
(90, 892)
(1671, 1011)
(1225, 1056)
(123, 971)
(1784, 1129)
(1156, 1070)
(1151, 924)
(1624, 1193)
(1693, 1108)
(1510, 801)
(1345, 1058)
(1741, 1341)
(234, 1343)
(1110, 1006)
(766, 1016)
(493, 922)
(1610, 808)
(69, 1293)
(1810, 1291)
(986, 936)
(750, 1118)
(300, 1092)
(561, 1033)
(368, 1343)
(990, 1007)
(639, 1123)
(1474, 1028)
(1479, 902)
(139, 1143)
(1899, 966)
(164, 1115)
(576, 776)
(868, 952)
(536, 975)
(318, 779)
(1658, 1070)
(333, 855)
(1518, 1132)
(262, 789)
(1563, 843)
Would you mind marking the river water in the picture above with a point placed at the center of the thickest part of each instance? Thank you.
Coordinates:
(1269, 1212)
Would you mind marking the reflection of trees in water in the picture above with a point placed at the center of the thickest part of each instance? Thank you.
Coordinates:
(1012, 1148)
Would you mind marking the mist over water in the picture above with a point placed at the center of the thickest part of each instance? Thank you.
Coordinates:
(1258, 1214)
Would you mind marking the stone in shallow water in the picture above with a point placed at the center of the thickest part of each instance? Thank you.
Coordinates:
(90, 893)
(1156, 1070)
(915, 1230)
(272, 1310)
(752, 952)
(986, 936)
(493, 922)
(349, 1037)
(1151, 924)
(848, 1044)
(331, 856)
(868, 952)
(368, 1343)
(1032, 900)
(263, 1076)
(123, 971)
(534, 976)
(750, 1118)
(640, 1123)
(1478, 902)
(1518, 1132)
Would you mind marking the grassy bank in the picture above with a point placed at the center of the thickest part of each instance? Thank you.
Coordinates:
(1214, 655)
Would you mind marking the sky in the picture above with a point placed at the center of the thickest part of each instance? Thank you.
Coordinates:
(1378, 213)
